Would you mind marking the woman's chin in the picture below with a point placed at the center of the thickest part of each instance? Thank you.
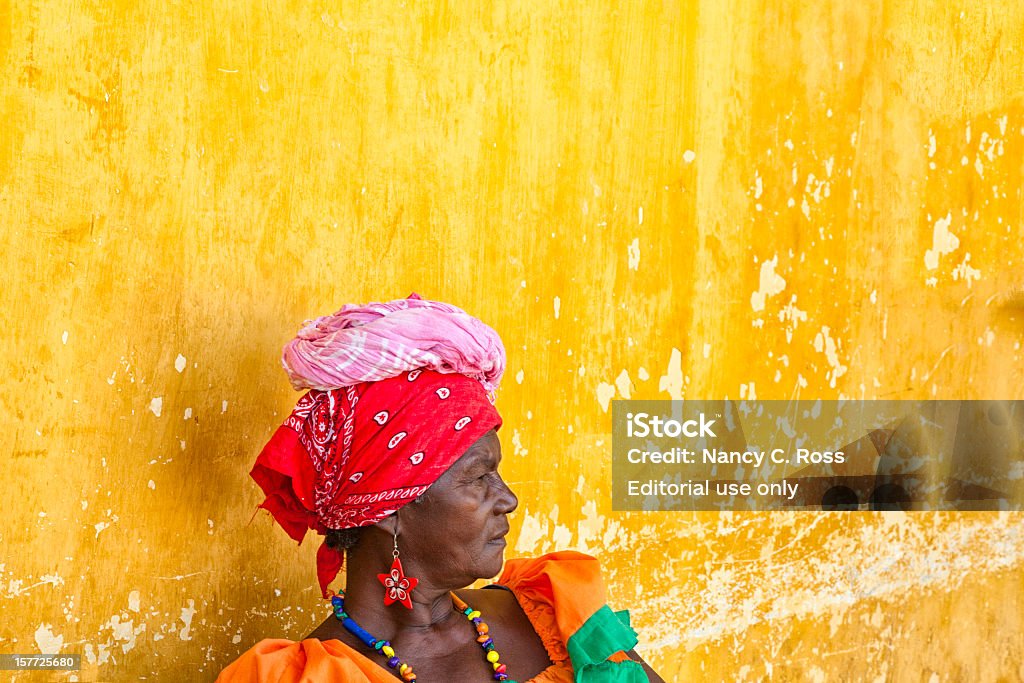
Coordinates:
(493, 557)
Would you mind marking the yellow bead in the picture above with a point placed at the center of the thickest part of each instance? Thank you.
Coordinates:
(492, 656)
(388, 650)
(473, 615)
(495, 665)
(402, 668)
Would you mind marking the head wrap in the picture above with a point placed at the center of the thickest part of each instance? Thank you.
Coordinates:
(352, 454)
(376, 341)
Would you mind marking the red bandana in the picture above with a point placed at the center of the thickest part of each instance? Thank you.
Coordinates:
(350, 457)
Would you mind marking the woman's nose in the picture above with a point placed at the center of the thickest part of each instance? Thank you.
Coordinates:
(509, 501)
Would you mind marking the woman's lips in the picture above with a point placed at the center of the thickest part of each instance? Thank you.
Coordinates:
(500, 538)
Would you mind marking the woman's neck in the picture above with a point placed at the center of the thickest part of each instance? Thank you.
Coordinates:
(432, 607)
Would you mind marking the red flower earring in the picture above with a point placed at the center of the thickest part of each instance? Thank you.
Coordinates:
(397, 586)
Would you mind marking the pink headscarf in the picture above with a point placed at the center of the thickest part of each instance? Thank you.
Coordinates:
(380, 340)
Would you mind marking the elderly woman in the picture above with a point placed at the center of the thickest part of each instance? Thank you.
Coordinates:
(393, 456)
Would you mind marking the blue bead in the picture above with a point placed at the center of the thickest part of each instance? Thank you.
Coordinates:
(393, 662)
(379, 644)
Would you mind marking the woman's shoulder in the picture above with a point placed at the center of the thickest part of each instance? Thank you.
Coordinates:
(292, 661)
(556, 575)
(564, 596)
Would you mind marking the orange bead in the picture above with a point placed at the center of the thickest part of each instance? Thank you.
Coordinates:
(481, 628)
(483, 638)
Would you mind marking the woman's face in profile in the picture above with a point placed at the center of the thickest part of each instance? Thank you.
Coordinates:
(457, 530)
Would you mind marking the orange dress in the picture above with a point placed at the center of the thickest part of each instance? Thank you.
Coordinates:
(562, 594)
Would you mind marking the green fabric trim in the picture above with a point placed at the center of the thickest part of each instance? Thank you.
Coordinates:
(602, 635)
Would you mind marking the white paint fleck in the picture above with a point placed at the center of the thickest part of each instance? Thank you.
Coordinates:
(188, 413)
(134, 600)
(643, 374)
(707, 350)
(825, 343)
(640, 215)
(47, 642)
(966, 272)
(758, 185)
(792, 316)
(186, 616)
(943, 242)
(633, 251)
(931, 144)
(533, 531)
(558, 307)
(771, 284)
(672, 381)
(605, 393)
(517, 444)
(64, 337)
(152, 484)
(179, 363)
(624, 385)
(157, 405)
(100, 526)
(520, 376)
(689, 155)
(223, 406)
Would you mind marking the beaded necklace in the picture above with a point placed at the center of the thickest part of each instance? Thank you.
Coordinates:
(404, 670)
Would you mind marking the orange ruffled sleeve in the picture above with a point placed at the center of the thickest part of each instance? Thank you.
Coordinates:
(276, 660)
(563, 595)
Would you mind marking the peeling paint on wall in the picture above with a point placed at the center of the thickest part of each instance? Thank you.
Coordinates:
(693, 200)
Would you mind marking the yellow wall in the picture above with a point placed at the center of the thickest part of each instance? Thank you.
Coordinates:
(704, 198)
